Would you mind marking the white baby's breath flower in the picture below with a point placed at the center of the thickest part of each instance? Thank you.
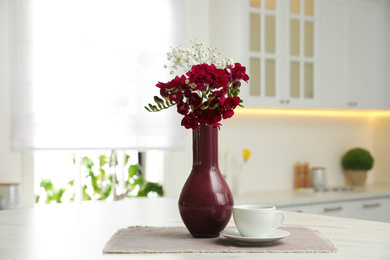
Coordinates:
(187, 57)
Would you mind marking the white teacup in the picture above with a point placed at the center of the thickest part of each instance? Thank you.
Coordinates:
(256, 220)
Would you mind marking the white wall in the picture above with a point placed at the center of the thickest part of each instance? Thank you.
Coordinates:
(198, 20)
(277, 142)
(382, 149)
(10, 163)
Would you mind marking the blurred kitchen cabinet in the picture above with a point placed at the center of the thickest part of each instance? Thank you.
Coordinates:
(299, 208)
(316, 54)
(385, 91)
(349, 53)
(337, 209)
(377, 209)
(372, 209)
(280, 44)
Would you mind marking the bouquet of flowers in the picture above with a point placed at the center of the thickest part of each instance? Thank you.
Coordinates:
(208, 91)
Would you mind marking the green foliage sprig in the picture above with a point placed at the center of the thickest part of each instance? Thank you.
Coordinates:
(101, 181)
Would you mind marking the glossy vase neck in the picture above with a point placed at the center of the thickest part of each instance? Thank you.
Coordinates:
(205, 147)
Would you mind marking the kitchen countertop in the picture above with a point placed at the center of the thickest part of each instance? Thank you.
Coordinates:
(72, 231)
(307, 196)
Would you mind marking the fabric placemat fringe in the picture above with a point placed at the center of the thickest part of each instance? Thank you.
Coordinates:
(151, 240)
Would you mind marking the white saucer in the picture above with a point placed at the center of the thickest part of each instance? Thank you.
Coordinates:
(274, 235)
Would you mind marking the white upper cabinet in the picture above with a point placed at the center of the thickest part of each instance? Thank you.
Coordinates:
(281, 53)
(315, 54)
(349, 53)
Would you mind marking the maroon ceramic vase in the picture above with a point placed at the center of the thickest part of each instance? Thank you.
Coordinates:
(205, 202)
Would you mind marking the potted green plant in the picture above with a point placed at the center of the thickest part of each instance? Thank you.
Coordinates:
(356, 162)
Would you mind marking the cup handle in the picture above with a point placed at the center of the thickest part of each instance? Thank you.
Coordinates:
(281, 221)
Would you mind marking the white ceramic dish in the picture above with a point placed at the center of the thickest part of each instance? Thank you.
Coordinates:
(235, 236)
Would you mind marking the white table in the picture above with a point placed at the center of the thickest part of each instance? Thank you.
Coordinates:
(80, 232)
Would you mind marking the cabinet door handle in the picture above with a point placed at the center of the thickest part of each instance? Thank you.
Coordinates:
(333, 209)
(371, 205)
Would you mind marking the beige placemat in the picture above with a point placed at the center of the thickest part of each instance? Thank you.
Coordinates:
(141, 240)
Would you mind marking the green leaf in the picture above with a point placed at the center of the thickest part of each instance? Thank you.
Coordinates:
(85, 194)
(94, 183)
(150, 187)
(106, 190)
(46, 184)
(57, 196)
(215, 106)
(87, 162)
(103, 159)
(133, 169)
(73, 156)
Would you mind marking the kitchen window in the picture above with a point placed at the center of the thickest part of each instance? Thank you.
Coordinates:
(83, 70)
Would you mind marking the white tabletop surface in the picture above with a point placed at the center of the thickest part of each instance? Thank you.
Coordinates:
(80, 232)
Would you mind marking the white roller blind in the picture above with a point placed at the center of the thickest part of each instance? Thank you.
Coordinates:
(84, 69)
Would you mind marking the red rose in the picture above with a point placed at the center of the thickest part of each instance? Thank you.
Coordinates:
(182, 108)
(216, 107)
(187, 93)
(214, 120)
(221, 78)
(200, 115)
(228, 114)
(231, 103)
(200, 74)
(222, 92)
(189, 122)
(178, 97)
(162, 85)
(238, 72)
(208, 117)
(195, 100)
